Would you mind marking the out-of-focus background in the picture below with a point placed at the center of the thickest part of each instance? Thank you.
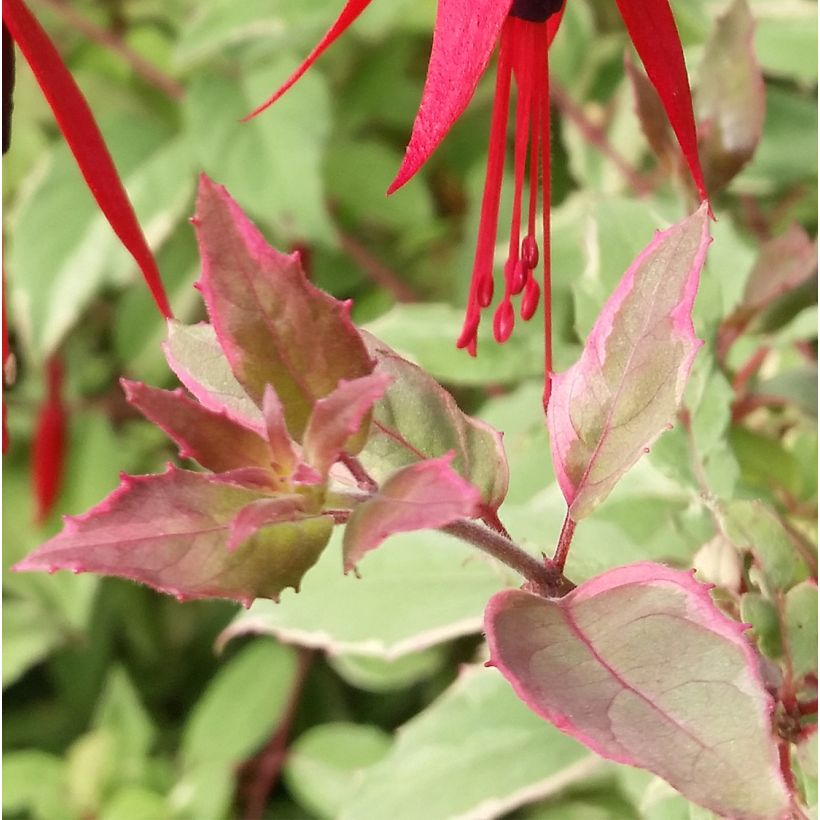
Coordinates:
(361, 698)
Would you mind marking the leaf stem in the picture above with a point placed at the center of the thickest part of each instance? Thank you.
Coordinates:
(357, 470)
(544, 578)
(564, 542)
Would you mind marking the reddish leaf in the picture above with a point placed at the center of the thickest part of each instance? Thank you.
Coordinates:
(784, 263)
(171, 531)
(641, 666)
(730, 97)
(194, 354)
(272, 324)
(422, 496)
(341, 421)
(49, 448)
(655, 36)
(281, 444)
(624, 391)
(213, 439)
(84, 139)
(418, 419)
(258, 514)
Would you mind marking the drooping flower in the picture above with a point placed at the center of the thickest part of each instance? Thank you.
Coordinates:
(464, 38)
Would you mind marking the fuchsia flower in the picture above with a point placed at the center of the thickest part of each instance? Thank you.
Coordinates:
(465, 35)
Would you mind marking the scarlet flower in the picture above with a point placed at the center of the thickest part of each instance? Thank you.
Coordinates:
(464, 38)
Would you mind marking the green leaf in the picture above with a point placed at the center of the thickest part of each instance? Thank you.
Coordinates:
(476, 752)
(34, 784)
(54, 282)
(30, 633)
(761, 614)
(326, 764)
(426, 334)
(374, 674)
(800, 617)
(121, 714)
(418, 419)
(282, 183)
(754, 527)
(421, 589)
(135, 803)
(241, 706)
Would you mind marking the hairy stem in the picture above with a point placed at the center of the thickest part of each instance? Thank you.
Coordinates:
(357, 470)
(564, 542)
(544, 578)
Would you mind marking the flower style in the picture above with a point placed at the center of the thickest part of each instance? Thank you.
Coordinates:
(464, 38)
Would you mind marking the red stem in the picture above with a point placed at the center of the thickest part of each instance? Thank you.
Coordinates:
(268, 764)
(564, 543)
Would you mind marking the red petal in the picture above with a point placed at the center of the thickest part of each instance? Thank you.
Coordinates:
(463, 41)
(49, 447)
(655, 36)
(352, 9)
(77, 123)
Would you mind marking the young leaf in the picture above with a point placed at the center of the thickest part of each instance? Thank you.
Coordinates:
(730, 97)
(641, 666)
(252, 517)
(336, 423)
(618, 398)
(273, 325)
(418, 419)
(426, 495)
(171, 532)
(213, 439)
(194, 354)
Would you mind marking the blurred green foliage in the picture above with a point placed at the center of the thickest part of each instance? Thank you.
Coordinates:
(117, 707)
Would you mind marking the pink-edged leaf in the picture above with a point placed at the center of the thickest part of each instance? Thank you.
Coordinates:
(273, 325)
(730, 97)
(625, 389)
(282, 446)
(423, 496)
(351, 10)
(654, 34)
(83, 136)
(463, 41)
(258, 514)
(194, 354)
(171, 532)
(340, 422)
(213, 439)
(418, 419)
(641, 666)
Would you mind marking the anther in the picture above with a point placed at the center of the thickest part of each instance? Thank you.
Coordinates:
(529, 301)
(529, 251)
(503, 321)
